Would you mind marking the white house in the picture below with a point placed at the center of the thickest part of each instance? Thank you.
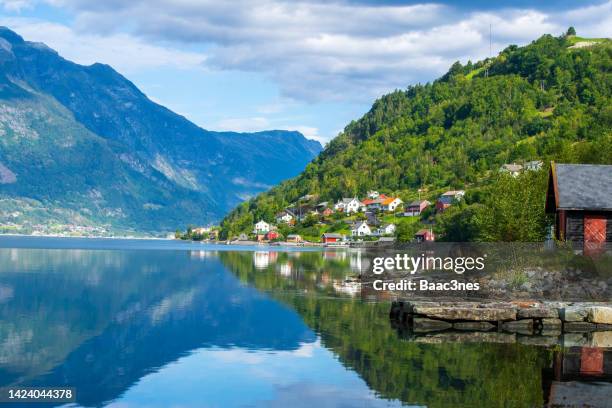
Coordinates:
(361, 229)
(513, 169)
(373, 194)
(201, 230)
(533, 165)
(284, 216)
(261, 227)
(348, 205)
(391, 203)
(387, 229)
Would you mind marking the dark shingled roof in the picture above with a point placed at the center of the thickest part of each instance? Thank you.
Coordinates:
(584, 186)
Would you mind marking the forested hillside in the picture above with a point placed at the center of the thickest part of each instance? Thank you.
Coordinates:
(549, 100)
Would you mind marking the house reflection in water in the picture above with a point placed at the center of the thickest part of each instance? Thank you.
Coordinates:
(581, 376)
(350, 288)
(261, 259)
(285, 269)
(334, 255)
(355, 261)
(203, 254)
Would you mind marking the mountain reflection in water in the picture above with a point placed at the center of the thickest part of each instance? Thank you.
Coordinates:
(205, 327)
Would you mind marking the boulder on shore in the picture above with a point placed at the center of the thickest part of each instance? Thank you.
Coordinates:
(600, 314)
(537, 312)
(466, 313)
(573, 314)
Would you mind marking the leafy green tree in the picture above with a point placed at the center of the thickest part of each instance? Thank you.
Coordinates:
(514, 209)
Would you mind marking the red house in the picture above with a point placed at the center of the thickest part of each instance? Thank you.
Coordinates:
(330, 238)
(424, 235)
(272, 235)
(580, 197)
(415, 208)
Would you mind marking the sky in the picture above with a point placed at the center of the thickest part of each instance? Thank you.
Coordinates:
(306, 65)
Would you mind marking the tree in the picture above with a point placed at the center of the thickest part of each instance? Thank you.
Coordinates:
(405, 231)
(571, 31)
(514, 209)
(460, 223)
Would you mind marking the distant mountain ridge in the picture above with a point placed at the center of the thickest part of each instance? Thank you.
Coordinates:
(83, 145)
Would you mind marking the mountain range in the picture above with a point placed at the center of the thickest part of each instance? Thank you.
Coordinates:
(83, 146)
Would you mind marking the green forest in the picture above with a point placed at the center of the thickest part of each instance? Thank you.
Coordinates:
(548, 101)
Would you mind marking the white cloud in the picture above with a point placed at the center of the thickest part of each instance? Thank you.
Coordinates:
(16, 5)
(313, 50)
(310, 132)
(122, 51)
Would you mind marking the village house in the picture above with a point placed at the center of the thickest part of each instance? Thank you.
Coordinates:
(387, 229)
(327, 212)
(382, 203)
(272, 235)
(285, 216)
(533, 165)
(372, 219)
(447, 199)
(331, 238)
(307, 197)
(390, 204)
(580, 197)
(348, 205)
(322, 206)
(261, 227)
(374, 204)
(201, 230)
(299, 212)
(373, 194)
(361, 229)
(295, 238)
(512, 169)
(415, 208)
(424, 235)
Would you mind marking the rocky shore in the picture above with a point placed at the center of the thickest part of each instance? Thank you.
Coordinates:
(546, 323)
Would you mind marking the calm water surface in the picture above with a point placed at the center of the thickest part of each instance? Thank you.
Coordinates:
(134, 323)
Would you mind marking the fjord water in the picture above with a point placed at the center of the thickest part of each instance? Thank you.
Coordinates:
(161, 323)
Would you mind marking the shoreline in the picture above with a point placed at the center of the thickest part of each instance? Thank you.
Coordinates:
(84, 236)
(125, 243)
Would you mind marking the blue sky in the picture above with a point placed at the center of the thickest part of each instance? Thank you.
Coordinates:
(307, 65)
